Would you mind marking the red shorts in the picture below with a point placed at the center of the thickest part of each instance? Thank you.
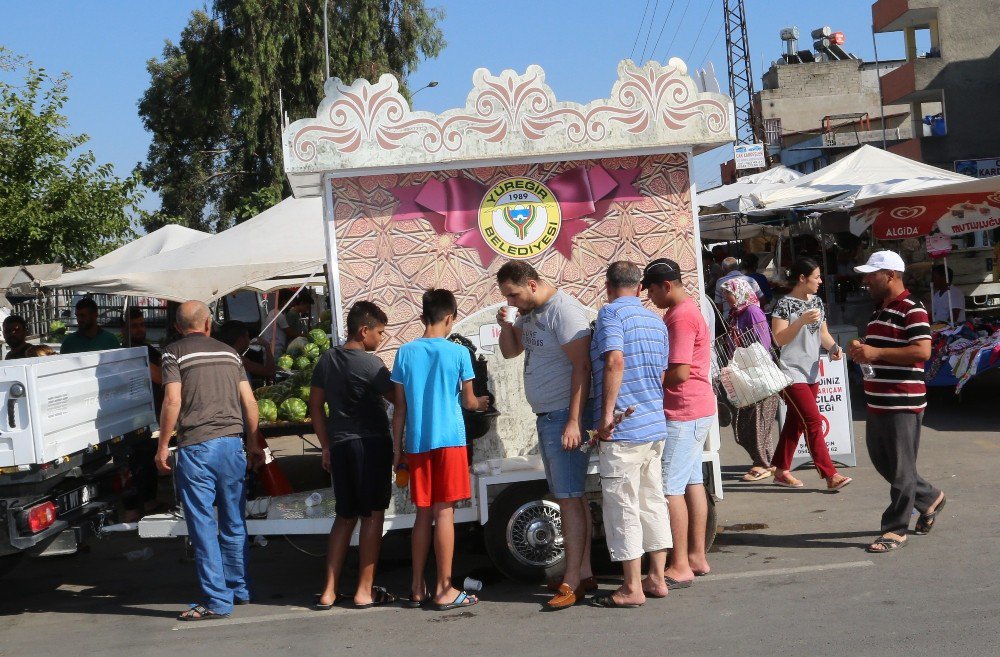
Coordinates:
(439, 476)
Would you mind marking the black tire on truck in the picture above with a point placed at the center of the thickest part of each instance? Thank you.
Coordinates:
(523, 535)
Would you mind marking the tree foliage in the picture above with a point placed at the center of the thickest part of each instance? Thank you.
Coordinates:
(56, 203)
(213, 106)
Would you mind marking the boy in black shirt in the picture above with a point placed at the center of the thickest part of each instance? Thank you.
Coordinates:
(357, 448)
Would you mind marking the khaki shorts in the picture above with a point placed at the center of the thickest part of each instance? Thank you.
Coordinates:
(635, 512)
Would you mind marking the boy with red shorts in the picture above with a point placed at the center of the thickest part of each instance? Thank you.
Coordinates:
(433, 379)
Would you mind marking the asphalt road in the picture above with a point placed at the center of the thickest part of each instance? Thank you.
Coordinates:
(790, 577)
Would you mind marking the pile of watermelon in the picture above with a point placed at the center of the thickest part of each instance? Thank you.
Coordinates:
(289, 400)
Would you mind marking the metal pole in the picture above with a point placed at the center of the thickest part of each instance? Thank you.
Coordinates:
(326, 38)
(881, 103)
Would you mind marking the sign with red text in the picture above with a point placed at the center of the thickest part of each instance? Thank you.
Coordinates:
(834, 401)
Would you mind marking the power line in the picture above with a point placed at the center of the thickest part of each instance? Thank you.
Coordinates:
(662, 26)
(652, 19)
(703, 22)
(711, 45)
(680, 24)
(639, 31)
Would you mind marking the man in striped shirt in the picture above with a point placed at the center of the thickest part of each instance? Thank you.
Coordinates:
(897, 342)
(629, 355)
(207, 397)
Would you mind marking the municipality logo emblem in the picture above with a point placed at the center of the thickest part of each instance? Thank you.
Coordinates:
(519, 218)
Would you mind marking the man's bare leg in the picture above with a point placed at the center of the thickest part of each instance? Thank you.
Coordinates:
(653, 584)
(370, 542)
(420, 547)
(336, 552)
(697, 505)
(631, 592)
(574, 526)
(678, 567)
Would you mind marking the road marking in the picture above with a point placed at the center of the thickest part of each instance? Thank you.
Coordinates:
(775, 572)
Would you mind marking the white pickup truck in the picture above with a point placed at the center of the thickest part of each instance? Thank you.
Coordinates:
(66, 423)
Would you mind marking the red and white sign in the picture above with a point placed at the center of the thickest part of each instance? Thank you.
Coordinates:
(834, 401)
(952, 214)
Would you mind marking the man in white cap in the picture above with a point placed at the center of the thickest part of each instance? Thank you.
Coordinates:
(897, 342)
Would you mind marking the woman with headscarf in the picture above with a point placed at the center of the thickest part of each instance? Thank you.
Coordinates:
(751, 425)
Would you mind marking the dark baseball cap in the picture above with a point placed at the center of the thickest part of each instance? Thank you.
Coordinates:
(660, 270)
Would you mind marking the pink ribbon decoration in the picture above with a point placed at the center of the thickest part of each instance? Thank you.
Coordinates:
(452, 205)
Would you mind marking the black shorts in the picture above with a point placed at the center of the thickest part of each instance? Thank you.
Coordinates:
(362, 475)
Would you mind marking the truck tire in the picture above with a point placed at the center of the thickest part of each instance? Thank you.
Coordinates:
(711, 527)
(524, 533)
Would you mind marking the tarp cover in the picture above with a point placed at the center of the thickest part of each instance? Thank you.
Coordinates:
(168, 238)
(866, 173)
(735, 197)
(258, 254)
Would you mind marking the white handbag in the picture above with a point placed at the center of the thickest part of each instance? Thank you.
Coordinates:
(751, 375)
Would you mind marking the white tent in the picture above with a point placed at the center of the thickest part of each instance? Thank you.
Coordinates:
(167, 238)
(867, 172)
(280, 246)
(735, 197)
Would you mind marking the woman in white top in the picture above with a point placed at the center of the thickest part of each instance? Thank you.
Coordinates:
(799, 327)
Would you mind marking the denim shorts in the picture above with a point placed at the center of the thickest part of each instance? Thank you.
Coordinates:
(565, 470)
(682, 452)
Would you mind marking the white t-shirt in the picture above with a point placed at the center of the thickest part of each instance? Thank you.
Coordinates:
(274, 335)
(942, 306)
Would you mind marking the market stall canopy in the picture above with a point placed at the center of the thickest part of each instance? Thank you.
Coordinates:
(731, 226)
(167, 238)
(735, 197)
(954, 209)
(866, 173)
(21, 280)
(277, 248)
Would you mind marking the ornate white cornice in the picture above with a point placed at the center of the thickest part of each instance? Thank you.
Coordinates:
(367, 128)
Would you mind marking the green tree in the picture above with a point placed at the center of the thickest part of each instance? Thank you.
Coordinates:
(213, 107)
(56, 203)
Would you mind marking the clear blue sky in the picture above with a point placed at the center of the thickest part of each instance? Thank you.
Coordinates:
(104, 46)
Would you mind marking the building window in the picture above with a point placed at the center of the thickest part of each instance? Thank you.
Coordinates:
(772, 132)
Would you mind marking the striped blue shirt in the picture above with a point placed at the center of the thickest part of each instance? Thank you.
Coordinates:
(624, 325)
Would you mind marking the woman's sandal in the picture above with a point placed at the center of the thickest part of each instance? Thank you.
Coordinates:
(788, 482)
(756, 475)
(831, 487)
(200, 613)
(885, 544)
(925, 523)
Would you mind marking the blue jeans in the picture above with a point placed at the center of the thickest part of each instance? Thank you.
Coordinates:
(212, 473)
(682, 452)
(565, 470)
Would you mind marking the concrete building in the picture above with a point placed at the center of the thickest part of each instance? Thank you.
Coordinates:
(816, 108)
(959, 76)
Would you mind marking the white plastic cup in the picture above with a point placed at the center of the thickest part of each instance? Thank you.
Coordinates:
(260, 541)
(314, 499)
(509, 314)
(472, 585)
(496, 466)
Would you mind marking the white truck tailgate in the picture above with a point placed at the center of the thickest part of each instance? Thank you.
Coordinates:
(54, 406)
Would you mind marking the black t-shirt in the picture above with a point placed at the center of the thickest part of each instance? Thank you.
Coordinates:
(155, 358)
(353, 382)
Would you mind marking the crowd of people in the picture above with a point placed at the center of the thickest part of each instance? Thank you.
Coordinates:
(636, 385)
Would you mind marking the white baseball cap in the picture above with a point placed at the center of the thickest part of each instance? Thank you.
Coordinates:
(882, 260)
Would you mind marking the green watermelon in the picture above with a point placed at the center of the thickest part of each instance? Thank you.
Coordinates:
(302, 363)
(326, 409)
(268, 410)
(311, 351)
(303, 393)
(293, 409)
(285, 362)
(295, 347)
(318, 336)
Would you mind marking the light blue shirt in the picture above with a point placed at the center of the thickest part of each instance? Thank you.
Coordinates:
(624, 325)
(431, 371)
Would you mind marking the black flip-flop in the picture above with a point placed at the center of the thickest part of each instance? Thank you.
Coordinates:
(203, 612)
(413, 603)
(891, 544)
(925, 523)
(380, 597)
(337, 599)
(673, 584)
(608, 602)
(463, 599)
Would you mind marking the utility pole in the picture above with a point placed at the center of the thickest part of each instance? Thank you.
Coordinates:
(749, 128)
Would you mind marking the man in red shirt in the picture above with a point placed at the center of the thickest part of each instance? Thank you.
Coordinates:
(897, 342)
(689, 405)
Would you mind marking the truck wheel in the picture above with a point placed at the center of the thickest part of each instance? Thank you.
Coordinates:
(711, 527)
(524, 533)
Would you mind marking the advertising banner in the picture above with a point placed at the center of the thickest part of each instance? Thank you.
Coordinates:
(835, 406)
